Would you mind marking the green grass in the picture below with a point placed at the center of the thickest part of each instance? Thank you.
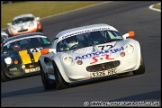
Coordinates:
(157, 6)
(40, 8)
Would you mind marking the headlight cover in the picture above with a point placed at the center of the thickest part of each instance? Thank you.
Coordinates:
(8, 60)
(68, 60)
(129, 48)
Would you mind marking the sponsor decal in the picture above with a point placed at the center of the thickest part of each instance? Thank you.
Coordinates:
(105, 46)
(93, 54)
(83, 31)
(95, 58)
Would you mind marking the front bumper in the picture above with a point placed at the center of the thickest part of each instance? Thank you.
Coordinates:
(25, 31)
(21, 70)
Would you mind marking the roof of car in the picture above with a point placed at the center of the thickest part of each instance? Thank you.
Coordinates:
(23, 35)
(84, 29)
(23, 15)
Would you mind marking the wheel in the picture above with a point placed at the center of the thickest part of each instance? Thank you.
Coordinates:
(141, 69)
(47, 85)
(3, 77)
(60, 83)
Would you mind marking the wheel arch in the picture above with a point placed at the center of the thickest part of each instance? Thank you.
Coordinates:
(58, 65)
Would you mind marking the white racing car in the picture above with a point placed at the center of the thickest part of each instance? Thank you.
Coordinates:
(89, 52)
(25, 23)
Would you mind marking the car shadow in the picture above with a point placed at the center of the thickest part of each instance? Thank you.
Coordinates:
(40, 89)
(99, 80)
(22, 92)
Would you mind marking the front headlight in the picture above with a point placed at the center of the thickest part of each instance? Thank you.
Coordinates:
(68, 60)
(129, 48)
(8, 60)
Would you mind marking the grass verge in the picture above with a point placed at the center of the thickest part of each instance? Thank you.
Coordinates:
(40, 8)
(157, 6)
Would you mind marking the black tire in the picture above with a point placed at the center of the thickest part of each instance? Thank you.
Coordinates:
(141, 69)
(60, 82)
(3, 77)
(47, 85)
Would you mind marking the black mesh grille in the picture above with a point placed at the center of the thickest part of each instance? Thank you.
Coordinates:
(103, 66)
(23, 30)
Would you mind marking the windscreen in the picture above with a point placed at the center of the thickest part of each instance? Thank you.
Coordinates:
(88, 39)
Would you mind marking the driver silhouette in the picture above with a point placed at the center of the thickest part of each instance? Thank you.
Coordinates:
(71, 41)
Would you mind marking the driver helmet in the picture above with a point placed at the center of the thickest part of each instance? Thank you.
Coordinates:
(71, 41)
(16, 46)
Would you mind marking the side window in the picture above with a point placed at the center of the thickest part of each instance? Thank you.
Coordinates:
(60, 46)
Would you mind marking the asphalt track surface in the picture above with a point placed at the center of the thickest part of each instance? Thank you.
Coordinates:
(124, 16)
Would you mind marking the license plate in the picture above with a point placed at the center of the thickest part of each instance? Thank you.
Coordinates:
(103, 73)
(32, 70)
(13, 69)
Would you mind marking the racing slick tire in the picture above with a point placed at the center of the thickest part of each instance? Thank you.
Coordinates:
(60, 82)
(141, 69)
(47, 85)
(3, 77)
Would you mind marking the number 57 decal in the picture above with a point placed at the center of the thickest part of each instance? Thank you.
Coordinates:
(95, 59)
